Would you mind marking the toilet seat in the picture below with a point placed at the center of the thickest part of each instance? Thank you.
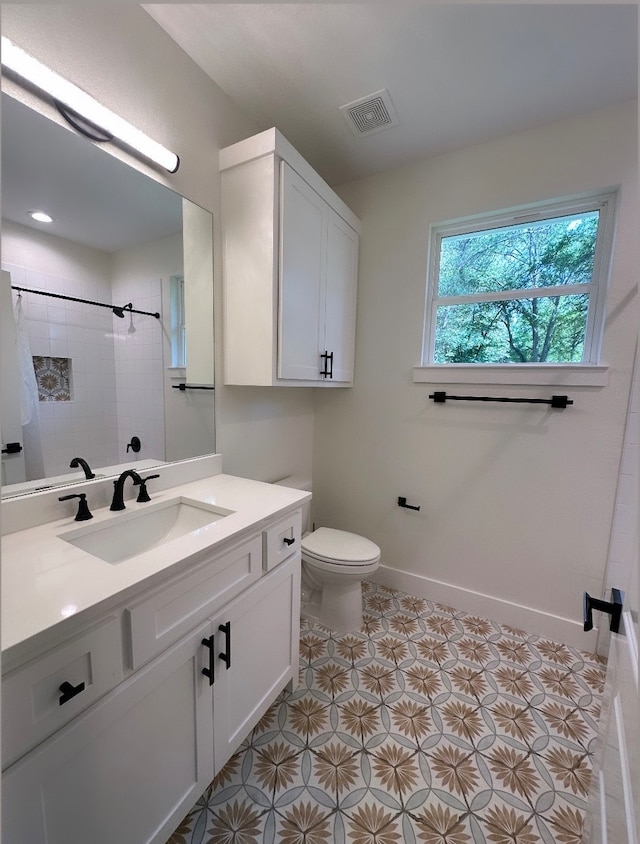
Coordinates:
(331, 548)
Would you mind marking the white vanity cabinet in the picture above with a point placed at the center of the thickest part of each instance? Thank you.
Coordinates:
(204, 656)
(290, 267)
(125, 769)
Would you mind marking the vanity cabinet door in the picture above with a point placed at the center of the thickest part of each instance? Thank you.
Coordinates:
(262, 628)
(127, 769)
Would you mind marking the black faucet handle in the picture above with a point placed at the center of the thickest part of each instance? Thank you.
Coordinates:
(143, 495)
(83, 513)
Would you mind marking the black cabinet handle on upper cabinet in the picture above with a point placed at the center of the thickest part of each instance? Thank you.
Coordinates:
(330, 358)
(325, 357)
(208, 672)
(69, 691)
(226, 656)
(288, 540)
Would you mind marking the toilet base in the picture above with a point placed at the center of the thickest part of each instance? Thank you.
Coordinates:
(339, 607)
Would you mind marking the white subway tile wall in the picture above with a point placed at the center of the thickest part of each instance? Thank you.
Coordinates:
(117, 385)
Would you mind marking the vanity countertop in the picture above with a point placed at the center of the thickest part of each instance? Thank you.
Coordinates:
(47, 582)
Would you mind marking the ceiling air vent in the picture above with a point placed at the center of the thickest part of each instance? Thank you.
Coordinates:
(370, 114)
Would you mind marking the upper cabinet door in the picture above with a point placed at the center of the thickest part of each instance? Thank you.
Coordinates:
(302, 273)
(340, 296)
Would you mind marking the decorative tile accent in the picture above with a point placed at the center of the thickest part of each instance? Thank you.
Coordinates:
(430, 726)
(52, 378)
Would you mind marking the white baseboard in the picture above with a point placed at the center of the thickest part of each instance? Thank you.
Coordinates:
(568, 631)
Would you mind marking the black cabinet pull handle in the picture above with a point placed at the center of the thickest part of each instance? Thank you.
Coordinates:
(288, 540)
(12, 448)
(208, 672)
(226, 656)
(70, 691)
(330, 358)
(323, 372)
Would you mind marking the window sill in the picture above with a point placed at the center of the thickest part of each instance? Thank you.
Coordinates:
(546, 375)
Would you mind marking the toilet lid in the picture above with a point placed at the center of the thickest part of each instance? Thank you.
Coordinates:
(331, 545)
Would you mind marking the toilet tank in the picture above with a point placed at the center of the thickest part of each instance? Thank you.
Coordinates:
(304, 484)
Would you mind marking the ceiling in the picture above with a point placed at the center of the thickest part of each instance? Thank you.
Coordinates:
(456, 74)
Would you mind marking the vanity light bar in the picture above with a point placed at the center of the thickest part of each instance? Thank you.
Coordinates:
(69, 95)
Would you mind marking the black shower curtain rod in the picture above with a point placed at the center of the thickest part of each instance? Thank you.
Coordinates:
(117, 310)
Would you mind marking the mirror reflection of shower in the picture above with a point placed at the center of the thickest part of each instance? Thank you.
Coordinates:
(100, 376)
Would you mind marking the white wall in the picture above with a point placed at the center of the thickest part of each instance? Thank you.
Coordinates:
(516, 502)
(124, 59)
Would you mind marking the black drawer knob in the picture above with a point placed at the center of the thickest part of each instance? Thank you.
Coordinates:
(289, 540)
(69, 691)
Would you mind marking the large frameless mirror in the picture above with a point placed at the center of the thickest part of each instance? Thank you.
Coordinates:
(78, 379)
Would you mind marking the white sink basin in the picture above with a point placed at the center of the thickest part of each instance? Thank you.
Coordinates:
(124, 536)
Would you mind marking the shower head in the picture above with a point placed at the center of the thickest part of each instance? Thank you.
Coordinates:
(119, 312)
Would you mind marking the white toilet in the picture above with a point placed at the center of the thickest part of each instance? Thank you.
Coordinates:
(334, 564)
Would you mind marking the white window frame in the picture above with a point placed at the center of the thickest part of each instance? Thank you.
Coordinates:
(177, 317)
(589, 371)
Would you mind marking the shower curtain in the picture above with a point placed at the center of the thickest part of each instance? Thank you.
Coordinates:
(33, 456)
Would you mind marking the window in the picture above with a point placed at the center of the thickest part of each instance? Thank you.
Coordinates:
(523, 287)
(178, 337)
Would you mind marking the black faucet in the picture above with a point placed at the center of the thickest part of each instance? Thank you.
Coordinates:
(118, 488)
(80, 461)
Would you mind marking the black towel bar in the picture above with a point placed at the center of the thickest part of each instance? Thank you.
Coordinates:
(554, 401)
(183, 387)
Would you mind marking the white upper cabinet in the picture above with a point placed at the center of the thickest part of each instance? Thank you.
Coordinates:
(290, 268)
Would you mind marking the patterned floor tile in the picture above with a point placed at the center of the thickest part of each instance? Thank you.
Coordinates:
(428, 726)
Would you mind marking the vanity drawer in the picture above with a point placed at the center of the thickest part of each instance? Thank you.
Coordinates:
(159, 620)
(282, 540)
(44, 694)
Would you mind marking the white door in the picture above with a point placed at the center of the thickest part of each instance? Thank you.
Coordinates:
(13, 467)
(302, 272)
(340, 297)
(614, 811)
